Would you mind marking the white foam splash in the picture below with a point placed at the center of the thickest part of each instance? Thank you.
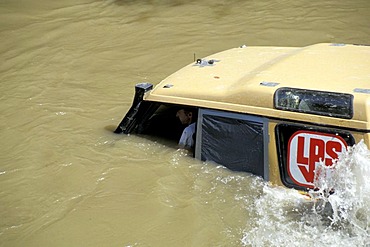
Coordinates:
(283, 217)
(349, 186)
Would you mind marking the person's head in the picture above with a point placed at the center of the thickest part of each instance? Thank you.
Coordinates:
(185, 116)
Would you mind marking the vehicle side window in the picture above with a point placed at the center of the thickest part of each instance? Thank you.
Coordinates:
(236, 141)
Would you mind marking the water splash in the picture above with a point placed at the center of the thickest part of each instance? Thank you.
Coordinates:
(338, 214)
(345, 187)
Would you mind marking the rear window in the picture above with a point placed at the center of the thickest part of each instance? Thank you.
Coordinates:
(339, 105)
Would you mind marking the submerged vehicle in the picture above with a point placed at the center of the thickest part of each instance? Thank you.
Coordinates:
(275, 112)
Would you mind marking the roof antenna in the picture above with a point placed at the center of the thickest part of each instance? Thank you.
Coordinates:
(194, 56)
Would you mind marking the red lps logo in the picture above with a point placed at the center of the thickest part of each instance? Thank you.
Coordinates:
(305, 151)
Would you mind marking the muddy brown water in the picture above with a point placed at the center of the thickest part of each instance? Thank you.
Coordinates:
(68, 70)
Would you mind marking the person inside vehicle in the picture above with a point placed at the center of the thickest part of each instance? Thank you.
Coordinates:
(187, 116)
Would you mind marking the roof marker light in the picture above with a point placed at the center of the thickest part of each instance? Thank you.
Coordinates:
(269, 84)
(168, 86)
(361, 90)
(204, 62)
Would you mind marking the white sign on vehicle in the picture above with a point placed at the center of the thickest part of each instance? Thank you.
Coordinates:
(305, 151)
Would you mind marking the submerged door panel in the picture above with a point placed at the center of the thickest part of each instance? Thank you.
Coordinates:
(236, 141)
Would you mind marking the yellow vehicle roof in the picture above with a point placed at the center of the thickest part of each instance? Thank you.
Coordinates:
(240, 80)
